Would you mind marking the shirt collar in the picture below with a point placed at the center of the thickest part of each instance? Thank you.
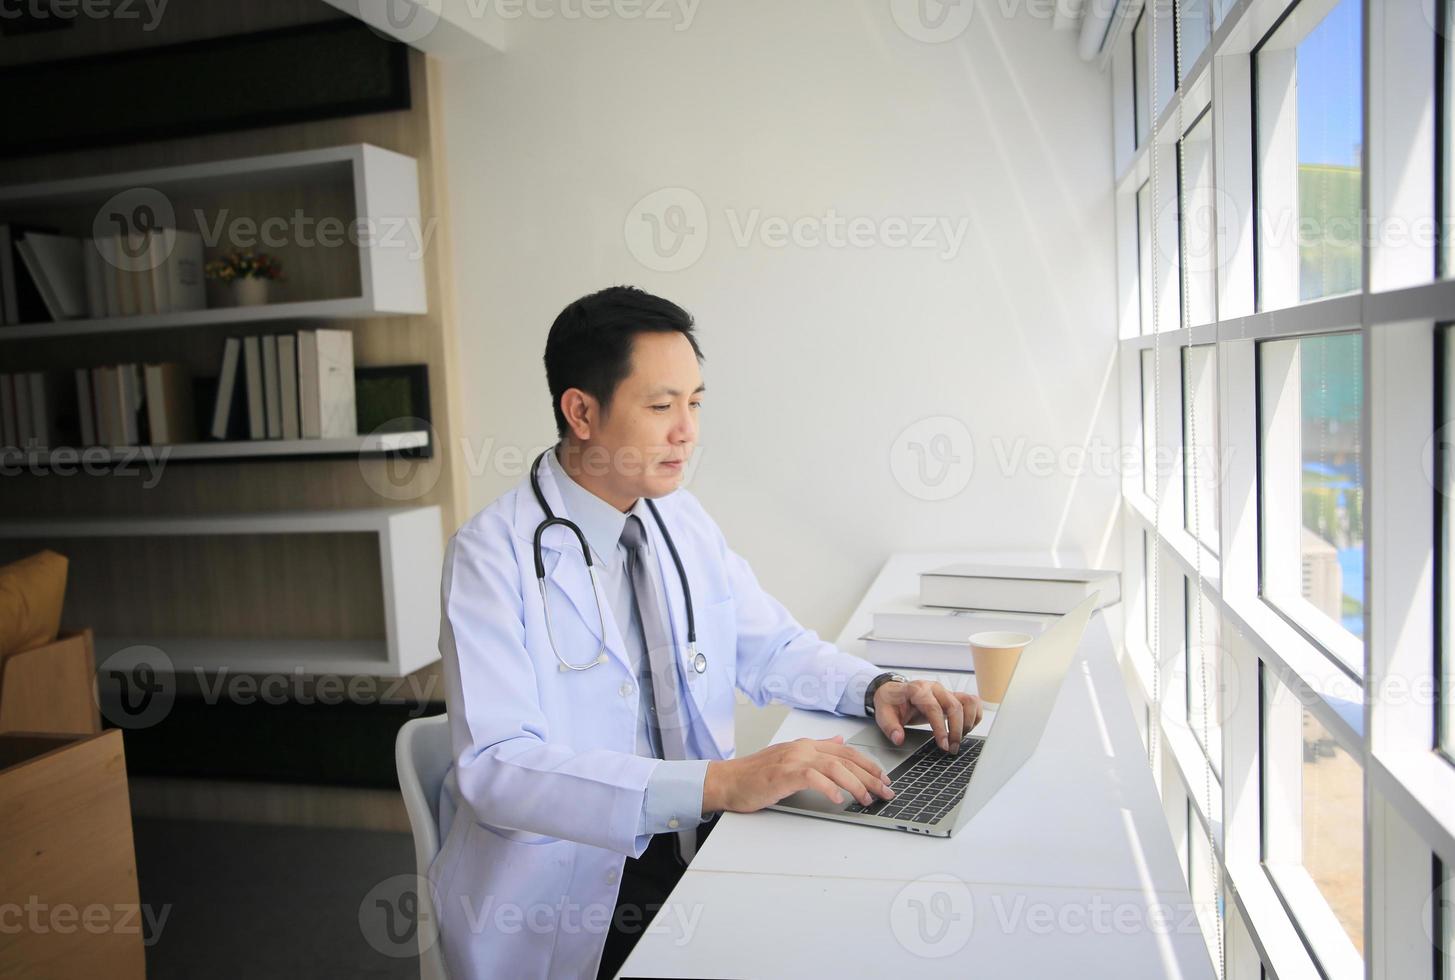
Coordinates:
(600, 522)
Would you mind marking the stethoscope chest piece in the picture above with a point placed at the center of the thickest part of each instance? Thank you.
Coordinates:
(699, 662)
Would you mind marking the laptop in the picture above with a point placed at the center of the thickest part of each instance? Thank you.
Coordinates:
(936, 793)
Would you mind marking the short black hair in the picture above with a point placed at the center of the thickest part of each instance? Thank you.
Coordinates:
(590, 344)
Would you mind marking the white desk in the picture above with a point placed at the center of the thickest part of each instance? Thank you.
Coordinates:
(1069, 870)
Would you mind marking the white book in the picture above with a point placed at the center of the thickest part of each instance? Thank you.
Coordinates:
(923, 654)
(309, 423)
(130, 398)
(226, 383)
(906, 619)
(85, 407)
(1017, 588)
(94, 267)
(186, 286)
(156, 268)
(56, 268)
(288, 383)
(108, 247)
(338, 416)
(272, 393)
(8, 436)
(253, 378)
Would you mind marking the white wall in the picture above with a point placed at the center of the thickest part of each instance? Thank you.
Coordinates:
(818, 357)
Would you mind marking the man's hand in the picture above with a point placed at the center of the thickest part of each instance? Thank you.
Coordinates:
(950, 714)
(763, 778)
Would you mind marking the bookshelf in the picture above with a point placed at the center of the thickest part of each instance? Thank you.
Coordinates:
(415, 444)
(410, 554)
(353, 250)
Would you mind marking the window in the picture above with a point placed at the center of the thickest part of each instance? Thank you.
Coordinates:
(1144, 256)
(1149, 424)
(1309, 98)
(1202, 465)
(1197, 224)
(1203, 882)
(1149, 593)
(1312, 488)
(1444, 461)
(1446, 176)
(1313, 829)
(1141, 80)
(1204, 674)
(1194, 27)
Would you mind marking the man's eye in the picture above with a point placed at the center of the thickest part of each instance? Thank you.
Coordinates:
(660, 408)
(697, 404)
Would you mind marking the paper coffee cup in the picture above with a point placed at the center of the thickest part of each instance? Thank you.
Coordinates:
(995, 654)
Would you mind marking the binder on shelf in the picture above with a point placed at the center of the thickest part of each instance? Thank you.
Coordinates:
(288, 383)
(272, 394)
(337, 409)
(230, 403)
(253, 383)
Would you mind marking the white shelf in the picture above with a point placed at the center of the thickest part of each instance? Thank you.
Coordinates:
(411, 555)
(389, 442)
(386, 206)
(351, 308)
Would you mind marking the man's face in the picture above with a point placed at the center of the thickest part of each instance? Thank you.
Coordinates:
(640, 445)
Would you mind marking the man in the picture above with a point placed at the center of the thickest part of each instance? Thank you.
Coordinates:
(592, 735)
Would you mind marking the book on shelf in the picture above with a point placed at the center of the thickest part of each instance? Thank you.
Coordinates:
(1017, 588)
(170, 419)
(86, 406)
(272, 392)
(337, 409)
(9, 434)
(20, 299)
(288, 383)
(56, 266)
(230, 401)
(253, 383)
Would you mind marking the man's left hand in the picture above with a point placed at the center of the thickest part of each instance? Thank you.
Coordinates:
(950, 714)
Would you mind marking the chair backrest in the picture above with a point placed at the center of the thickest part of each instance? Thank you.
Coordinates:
(422, 756)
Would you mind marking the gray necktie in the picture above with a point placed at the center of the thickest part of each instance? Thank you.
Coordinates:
(668, 717)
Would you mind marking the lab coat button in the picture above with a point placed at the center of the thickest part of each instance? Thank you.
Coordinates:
(611, 877)
(626, 689)
(672, 823)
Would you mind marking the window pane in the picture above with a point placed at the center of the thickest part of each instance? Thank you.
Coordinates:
(1308, 78)
(1447, 49)
(1445, 470)
(1202, 466)
(1149, 425)
(1313, 843)
(1144, 255)
(1149, 593)
(1194, 25)
(1203, 882)
(1197, 227)
(1205, 684)
(1141, 81)
(1311, 410)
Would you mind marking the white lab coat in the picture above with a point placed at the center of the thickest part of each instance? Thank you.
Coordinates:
(546, 784)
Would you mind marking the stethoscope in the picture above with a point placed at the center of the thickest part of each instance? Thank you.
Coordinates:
(697, 657)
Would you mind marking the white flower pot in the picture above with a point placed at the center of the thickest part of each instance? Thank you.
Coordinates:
(250, 291)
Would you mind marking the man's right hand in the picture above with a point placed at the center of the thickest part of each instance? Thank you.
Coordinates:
(763, 778)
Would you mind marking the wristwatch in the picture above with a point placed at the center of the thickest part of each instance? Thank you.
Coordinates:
(875, 685)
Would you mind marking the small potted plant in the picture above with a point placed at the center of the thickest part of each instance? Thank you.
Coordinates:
(249, 273)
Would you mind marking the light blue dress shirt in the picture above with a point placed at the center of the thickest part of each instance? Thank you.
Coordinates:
(674, 790)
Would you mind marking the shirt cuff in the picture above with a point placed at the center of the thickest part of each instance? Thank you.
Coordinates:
(674, 796)
(852, 701)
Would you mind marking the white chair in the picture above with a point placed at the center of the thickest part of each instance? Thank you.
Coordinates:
(422, 756)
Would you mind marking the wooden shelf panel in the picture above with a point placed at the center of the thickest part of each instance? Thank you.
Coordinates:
(350, 308)
(362, 657)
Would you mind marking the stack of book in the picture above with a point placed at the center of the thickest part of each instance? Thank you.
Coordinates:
(119, 405)
(286, 386)
(46, 276)
(931, 631)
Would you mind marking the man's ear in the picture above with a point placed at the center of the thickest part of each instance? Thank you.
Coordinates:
(581, 412)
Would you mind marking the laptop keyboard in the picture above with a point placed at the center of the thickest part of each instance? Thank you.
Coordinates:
(927, 785)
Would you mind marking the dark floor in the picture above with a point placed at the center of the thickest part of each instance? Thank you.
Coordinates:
(250, 901)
